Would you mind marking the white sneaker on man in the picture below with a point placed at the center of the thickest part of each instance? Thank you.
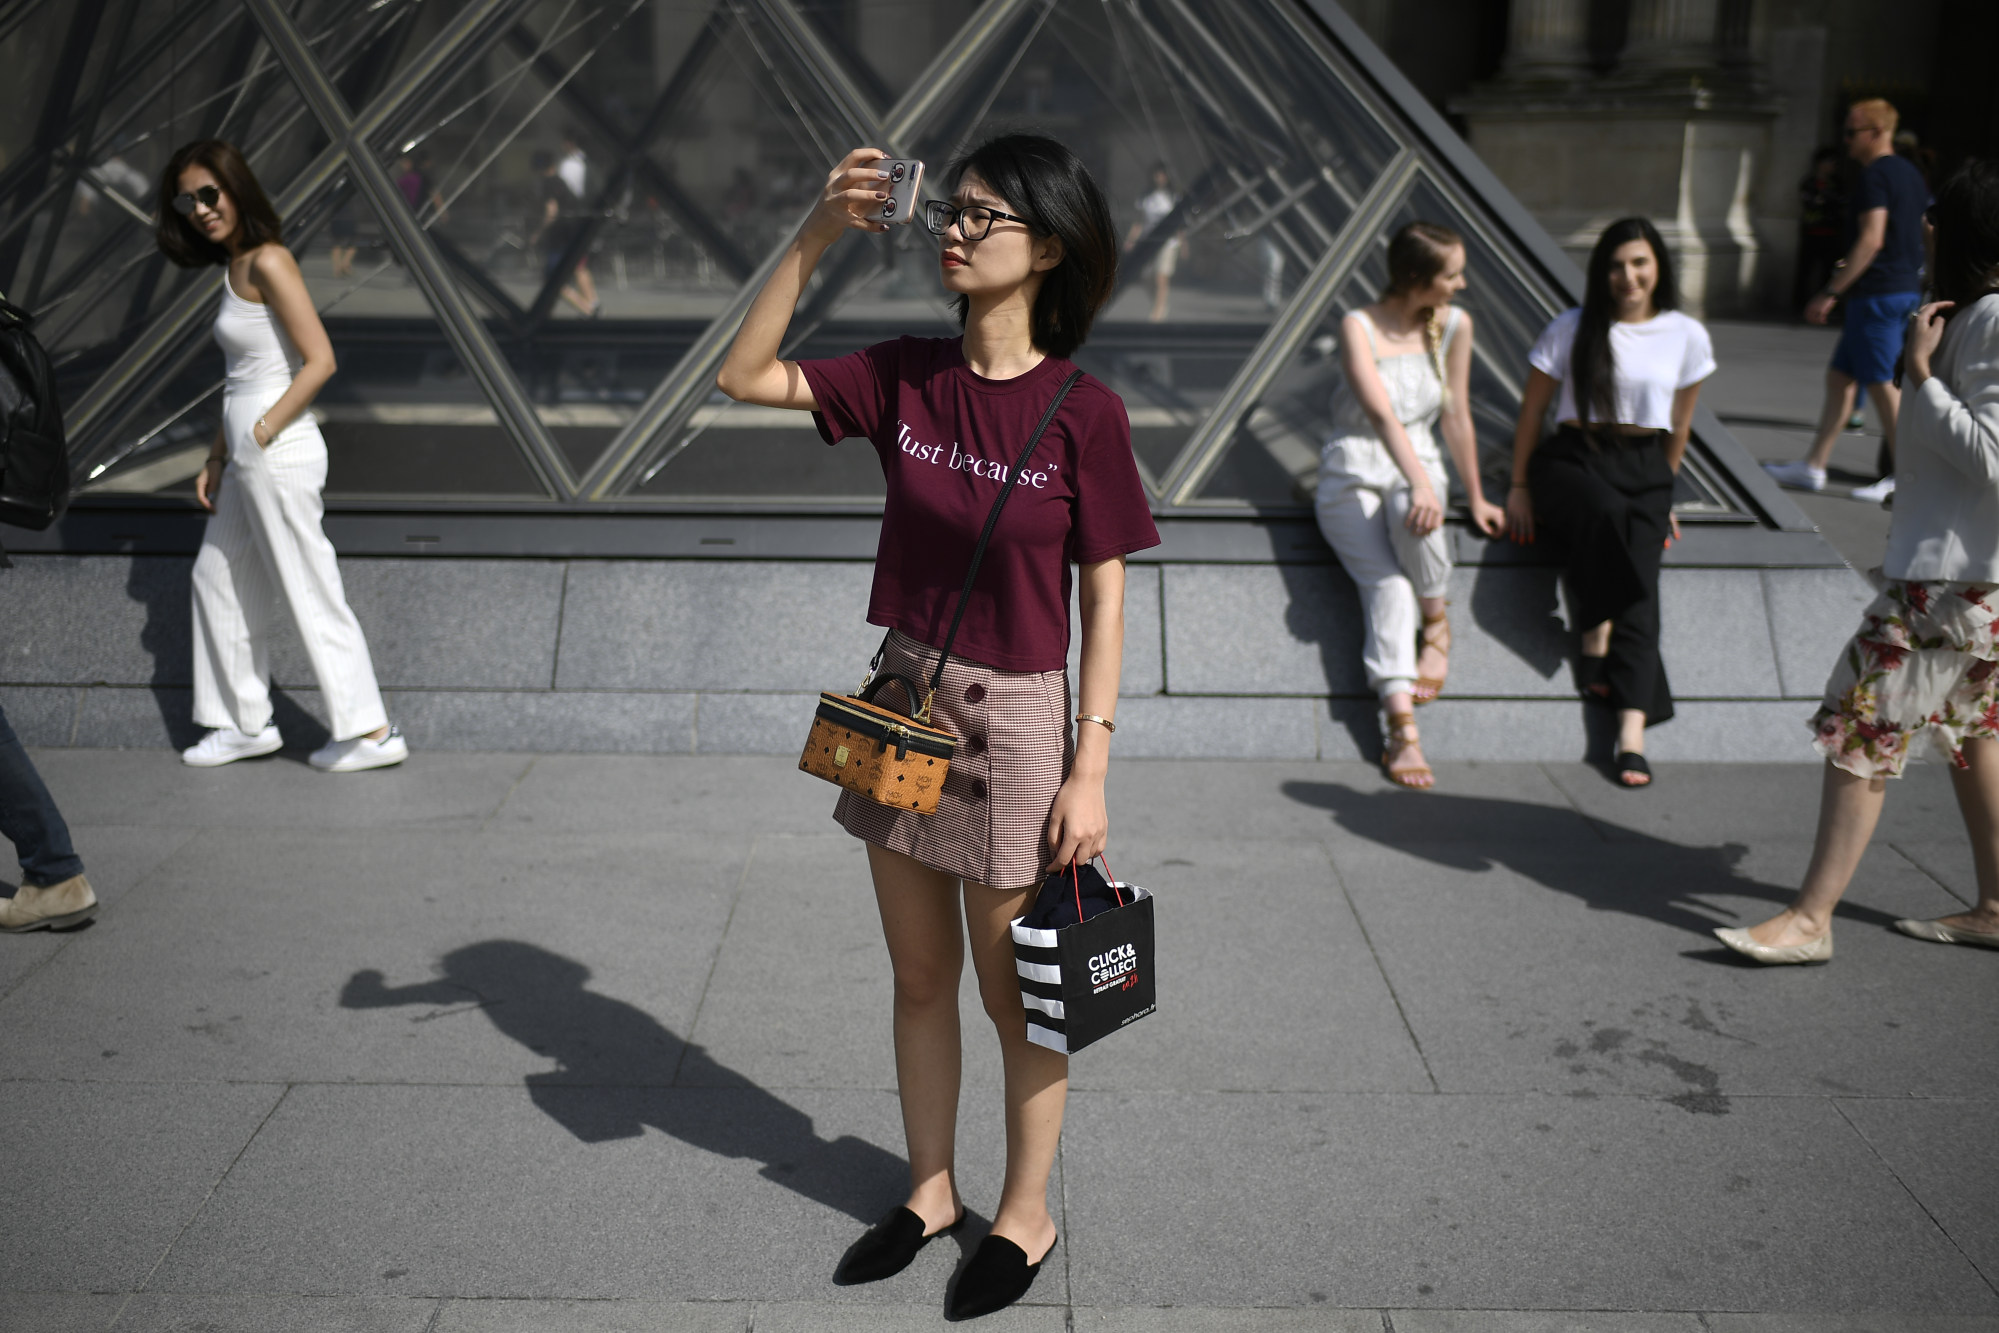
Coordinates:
(1876, 492)
(359, 753)
(1798, 475)
(225, 745)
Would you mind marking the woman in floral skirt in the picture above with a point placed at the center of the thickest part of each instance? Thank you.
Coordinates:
(1925, 659)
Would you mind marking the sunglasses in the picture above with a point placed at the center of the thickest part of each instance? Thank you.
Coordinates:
(208, 196)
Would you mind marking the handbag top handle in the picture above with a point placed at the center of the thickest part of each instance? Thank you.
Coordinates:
(979, 551)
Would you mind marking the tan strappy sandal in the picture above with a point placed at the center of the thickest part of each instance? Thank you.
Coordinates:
(1417, 777)
(1428, 688)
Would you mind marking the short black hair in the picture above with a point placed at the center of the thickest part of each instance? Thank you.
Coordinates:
(256, 221)
(1966, 217)
(1592, 365)
(1050, 186)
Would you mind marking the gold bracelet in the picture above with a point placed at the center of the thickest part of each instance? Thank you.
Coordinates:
(1103, 722)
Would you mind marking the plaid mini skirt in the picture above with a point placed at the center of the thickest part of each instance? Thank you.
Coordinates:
(1014, 750)
(1922, 662)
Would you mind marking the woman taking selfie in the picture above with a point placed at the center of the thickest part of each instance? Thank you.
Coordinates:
(1628, 368)
(1030, 255)
(1925, 660)
(264, 550)
(1382, 484)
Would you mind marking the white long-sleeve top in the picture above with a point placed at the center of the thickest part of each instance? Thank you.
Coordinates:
(1946, 524)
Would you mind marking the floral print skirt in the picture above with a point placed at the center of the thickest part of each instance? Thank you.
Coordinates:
(1923, 659)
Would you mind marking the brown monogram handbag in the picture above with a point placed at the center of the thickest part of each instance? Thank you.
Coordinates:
(900, 759)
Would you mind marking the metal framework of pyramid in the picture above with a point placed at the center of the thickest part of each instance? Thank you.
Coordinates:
(417, 136)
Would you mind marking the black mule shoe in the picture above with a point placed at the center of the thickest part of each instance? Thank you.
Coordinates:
(1630, 761)
(997, 1276)
(887, 1248)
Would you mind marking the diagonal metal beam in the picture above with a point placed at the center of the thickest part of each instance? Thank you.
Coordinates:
(1288, 330)
(660, 426)
(49, 130)
(860, 121)
(462, 327)
(164, 348)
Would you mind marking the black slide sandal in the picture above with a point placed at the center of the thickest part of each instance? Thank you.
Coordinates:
(1630, 761)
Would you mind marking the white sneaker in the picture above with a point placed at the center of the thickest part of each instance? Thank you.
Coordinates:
(359, 753)
(225, 745)
(1799, 475)
(1877, 492)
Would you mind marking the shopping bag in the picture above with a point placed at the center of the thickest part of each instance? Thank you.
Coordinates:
(1084, 953)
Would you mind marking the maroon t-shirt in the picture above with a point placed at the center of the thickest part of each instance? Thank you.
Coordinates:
(948, 439)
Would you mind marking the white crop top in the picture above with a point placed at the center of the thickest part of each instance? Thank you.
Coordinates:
(253, 340)
(1654, 360)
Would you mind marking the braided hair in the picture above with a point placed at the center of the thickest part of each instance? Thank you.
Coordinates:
(1417, 253)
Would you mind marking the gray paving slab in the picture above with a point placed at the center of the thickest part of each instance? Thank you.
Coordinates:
(1540, 1321)
(1191, 727)
(445, 624)
(560, 721)
(1947, 862)
(1221, 1319)
(1942, 1153)
(715, 625)
(1482, 804)
(819, 1317)
(1748, 802)
(1494, 1203)
(1144, 637)
(406, 956)
(1266, 980)
(155, 1312)
(116, 860)
(138, 631)
(110, 1174)
(1841, 1322)
(1806, 606)
(41, 714)
(1261, 629)
(1592, 970)
(757, 723)
(674, 1193)
(721, 793)
(59, 1311)
(606, 1316)
(280, 791)
(1714, 634)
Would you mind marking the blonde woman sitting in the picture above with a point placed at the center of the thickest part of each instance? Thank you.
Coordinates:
(1382, 484)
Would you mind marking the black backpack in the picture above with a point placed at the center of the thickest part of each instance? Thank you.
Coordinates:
(34, 461)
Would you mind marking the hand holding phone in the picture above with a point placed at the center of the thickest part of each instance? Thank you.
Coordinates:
(905, 177)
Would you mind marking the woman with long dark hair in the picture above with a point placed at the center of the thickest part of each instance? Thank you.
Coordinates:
(1029, 254)
(1925, 660)
(263, 552)
(1382, 485)
(1627, 367)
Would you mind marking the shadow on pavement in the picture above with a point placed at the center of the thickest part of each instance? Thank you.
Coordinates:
(620, 1070)
(1636, 873)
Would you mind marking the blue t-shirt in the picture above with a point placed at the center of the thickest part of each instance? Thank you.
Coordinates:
(1893, 183)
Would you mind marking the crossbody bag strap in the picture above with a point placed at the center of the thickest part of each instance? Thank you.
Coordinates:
(992, 520)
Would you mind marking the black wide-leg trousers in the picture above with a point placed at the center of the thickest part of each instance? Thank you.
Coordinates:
(1609, 506)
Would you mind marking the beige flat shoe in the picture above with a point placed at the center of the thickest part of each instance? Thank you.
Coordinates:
(54, 907)
(1818, 951)
(1938, 933)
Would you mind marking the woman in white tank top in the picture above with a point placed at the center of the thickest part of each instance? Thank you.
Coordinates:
(264, 551)
(1382, 483)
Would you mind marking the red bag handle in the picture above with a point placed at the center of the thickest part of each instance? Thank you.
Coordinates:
(1076, 878)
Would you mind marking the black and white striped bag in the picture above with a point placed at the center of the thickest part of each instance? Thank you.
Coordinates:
(1088, 972)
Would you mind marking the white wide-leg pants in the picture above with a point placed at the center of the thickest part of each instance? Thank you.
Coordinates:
(1391, 567)
(264, 553)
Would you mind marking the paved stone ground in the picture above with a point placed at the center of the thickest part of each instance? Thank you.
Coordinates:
(499, 1042)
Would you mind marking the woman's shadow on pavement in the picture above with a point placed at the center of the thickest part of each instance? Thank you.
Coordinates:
(619, 1070)
(1630, 871)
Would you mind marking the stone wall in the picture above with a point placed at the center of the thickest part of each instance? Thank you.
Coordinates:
(1226, 660)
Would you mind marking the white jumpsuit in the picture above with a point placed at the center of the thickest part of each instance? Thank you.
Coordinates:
(1363, 500)
(264, 551)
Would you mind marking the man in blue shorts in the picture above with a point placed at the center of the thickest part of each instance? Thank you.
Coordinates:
(1881, 282)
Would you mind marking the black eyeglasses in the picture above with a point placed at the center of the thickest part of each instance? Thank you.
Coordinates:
(974, 220)
(207, 196)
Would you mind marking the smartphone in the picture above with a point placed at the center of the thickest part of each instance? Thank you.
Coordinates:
(903, 202)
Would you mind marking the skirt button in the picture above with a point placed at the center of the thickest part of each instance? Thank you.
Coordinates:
(975, 745)
(975, 694)
(978, 789)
